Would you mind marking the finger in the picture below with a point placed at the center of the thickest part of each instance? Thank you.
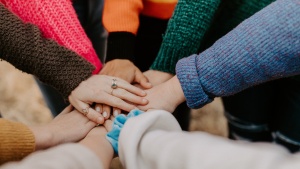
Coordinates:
(90, 113)
(112, 118)
(113, 101)
(98, 108)
(116, 111)
(106, 111)
(108, 125)
(79, 105)
(68, 109)
(142, 79)
(95, 116)
(125, 95)
(130, 88)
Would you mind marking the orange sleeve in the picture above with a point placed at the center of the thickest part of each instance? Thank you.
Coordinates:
(17, 141)
(122, 15)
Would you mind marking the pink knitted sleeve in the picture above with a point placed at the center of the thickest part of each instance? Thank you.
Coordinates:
(57, 20)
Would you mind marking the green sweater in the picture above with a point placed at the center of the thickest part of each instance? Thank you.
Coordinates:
(197, 24)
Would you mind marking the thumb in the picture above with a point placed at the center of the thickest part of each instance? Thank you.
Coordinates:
(142, 79)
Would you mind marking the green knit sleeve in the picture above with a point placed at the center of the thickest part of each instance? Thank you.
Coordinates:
(186, 29)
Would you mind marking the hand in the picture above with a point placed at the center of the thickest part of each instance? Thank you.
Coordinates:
(156, 77)
(105, 110)
(166, 96)
(68, 126)
(96, 141)
(126, 70)
(98, 89)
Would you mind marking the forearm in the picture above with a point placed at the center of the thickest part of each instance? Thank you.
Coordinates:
(102, 148)
(121, 20)
(96, 142)
(262, 48)
(57, 20)
(67, 156)
(186, 29)
(23, 46)
(159, 143)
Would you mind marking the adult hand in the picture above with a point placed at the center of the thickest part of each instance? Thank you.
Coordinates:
(156, 77)
(98, 89)
(126, 70)
(166, 96)
(68, 126)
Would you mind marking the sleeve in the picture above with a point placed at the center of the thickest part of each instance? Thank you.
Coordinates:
(185, 32)
(66, 156)
(17, 141)
(121, 20)
(57, 20)
(23, 46)
(160, 144)
(262, 48)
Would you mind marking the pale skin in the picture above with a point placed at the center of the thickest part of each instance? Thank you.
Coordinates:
(68, 126)
(126, 70)
(166, 96)
(96, 141)
(97, 89)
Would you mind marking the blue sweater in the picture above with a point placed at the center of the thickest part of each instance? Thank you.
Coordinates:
(262, 48)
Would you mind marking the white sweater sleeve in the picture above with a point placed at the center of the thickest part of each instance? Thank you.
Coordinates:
(154, 140)
(66, 156)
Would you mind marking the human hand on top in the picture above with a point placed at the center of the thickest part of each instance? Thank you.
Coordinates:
(156, 77)
(107, 90)
(166, 96)
(127, 71)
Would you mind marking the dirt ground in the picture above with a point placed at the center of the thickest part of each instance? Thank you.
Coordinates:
(21, 100)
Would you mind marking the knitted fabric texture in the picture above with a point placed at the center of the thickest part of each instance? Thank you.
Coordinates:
(190, 21)
(17, 141)
(118, 124)
(22, 45)
(262, 48)
(198, 24)
(123, 16)
(122, 20)
(57, 20)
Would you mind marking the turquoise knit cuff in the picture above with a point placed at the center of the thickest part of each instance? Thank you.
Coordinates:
(120, 120)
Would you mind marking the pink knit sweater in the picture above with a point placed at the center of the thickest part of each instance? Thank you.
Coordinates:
(58, 21)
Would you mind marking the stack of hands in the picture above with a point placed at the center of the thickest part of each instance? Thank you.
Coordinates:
(121, 87)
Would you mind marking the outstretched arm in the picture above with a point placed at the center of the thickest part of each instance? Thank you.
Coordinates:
(23, 46)
(262, 48)
(159, 143)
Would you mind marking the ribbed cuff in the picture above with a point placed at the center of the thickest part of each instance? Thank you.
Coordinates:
(120, 45)
(17, 143)
(189, 80)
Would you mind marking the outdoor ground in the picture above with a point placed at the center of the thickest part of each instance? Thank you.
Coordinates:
(21, 100)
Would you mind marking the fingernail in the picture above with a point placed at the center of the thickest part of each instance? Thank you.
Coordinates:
(104, 114)
(116, 113)
(145, 100)
(100, 120)
(98, 109)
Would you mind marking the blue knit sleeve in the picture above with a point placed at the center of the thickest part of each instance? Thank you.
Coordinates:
(262, 48)
(119, 122)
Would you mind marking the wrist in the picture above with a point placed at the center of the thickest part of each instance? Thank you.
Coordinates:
(177, 91)
(99, 145)
(43, 137)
